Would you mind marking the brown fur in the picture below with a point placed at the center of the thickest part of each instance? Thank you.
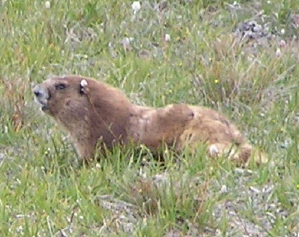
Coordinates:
(96, 113)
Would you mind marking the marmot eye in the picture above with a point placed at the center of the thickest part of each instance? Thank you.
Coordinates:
(60, 87)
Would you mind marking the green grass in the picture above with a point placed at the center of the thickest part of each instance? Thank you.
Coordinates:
(43, 192)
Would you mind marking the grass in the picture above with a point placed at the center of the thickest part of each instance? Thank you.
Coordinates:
(206, 62)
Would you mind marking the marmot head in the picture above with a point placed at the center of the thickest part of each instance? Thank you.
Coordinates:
(60, 93)
(88, 109)
(80, 104)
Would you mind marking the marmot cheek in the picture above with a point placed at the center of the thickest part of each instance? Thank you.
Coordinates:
(72, 105)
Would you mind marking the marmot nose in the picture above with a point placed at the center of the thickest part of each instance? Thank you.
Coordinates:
(41, 93)
(37, 91)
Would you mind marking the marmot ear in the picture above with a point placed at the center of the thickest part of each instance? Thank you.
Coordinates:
(83, 85)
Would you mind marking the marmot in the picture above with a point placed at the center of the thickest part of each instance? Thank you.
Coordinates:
(98, 115)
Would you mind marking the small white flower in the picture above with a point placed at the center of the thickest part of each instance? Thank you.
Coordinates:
(223, 189)
(126, 42)
(278, 52)
(136, 6)
(282, 31)
(167, 37)
(47, 4)
(83, 83)
(20, 229)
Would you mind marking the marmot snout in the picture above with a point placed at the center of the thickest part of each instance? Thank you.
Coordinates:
(42, 96)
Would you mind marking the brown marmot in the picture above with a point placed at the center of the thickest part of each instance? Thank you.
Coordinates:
(98, 115)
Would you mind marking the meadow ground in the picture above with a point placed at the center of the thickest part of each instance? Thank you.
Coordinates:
(238, 57)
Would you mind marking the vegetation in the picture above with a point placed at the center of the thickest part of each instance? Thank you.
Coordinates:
(238, 57)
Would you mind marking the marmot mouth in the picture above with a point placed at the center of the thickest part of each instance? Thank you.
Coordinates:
(45, 108)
